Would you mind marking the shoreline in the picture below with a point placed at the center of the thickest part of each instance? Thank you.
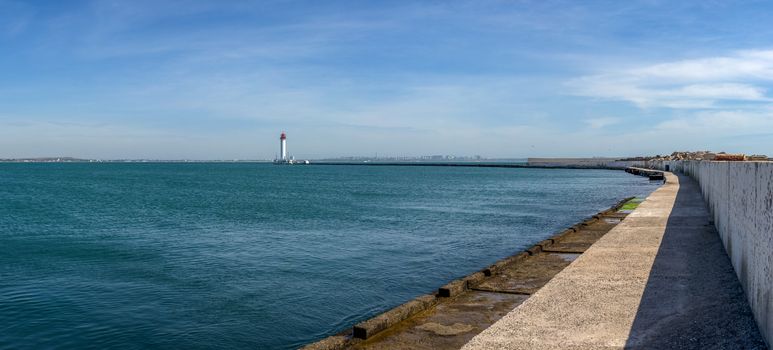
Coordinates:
(392, 321)
(470, 165)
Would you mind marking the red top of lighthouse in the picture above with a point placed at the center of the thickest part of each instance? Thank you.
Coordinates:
(282, 137)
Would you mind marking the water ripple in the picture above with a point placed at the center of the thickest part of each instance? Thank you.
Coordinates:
(222, 256)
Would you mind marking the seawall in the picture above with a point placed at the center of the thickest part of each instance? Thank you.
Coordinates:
(548, 165)
(740, 200)
(597, 162)
(451, 316)
(658, 280)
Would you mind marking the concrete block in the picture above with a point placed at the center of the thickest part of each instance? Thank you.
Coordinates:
(452, 289)
(456, 287)
(336, 342)
(475, 279)
(507, 261)
(563, 234)
(367, 329)
(546, 243)
(534, 250)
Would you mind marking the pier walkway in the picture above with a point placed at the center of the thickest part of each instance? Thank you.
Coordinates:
(660, 279)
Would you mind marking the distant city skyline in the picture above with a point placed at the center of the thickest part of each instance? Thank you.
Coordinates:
(220, 80)
(435, 157)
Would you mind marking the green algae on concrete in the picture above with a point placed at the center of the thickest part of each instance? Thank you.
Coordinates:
(631, 205)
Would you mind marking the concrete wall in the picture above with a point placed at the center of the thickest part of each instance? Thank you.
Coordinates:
(585, 162)
(740, 198)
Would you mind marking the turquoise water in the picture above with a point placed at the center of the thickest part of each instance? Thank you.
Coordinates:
(153, 255)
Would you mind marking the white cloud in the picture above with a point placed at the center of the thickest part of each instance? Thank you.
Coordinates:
(757, 64)
(721, 122)
(599, 123)
(687, 84)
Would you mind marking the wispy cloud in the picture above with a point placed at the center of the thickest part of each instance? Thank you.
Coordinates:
(686, 84)
(712, 123)
(221, 78)
(599, 123)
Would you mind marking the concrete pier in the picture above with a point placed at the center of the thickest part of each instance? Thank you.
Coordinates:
(660, 279)
(651, 173)
(464, 307)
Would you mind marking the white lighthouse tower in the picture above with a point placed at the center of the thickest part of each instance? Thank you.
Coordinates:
(283, 157)
(283, 147)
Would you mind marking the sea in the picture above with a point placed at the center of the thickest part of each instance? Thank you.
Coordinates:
(258, 256)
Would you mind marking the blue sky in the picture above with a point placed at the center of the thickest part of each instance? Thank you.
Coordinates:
(221, 79)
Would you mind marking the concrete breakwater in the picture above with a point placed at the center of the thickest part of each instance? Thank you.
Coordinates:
(612, 165)
(740, 200)
(464, 307)
(651, 174)
(597, 162)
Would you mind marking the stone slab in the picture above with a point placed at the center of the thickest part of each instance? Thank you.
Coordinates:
(528, 276)
(448, 325)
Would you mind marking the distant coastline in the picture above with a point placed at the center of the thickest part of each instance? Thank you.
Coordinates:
(412, 160)
(82, 160)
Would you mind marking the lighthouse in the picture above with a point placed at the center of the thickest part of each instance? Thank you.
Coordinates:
(283, 147)
(283, 157)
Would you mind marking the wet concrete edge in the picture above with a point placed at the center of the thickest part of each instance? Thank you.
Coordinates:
(368, 328)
